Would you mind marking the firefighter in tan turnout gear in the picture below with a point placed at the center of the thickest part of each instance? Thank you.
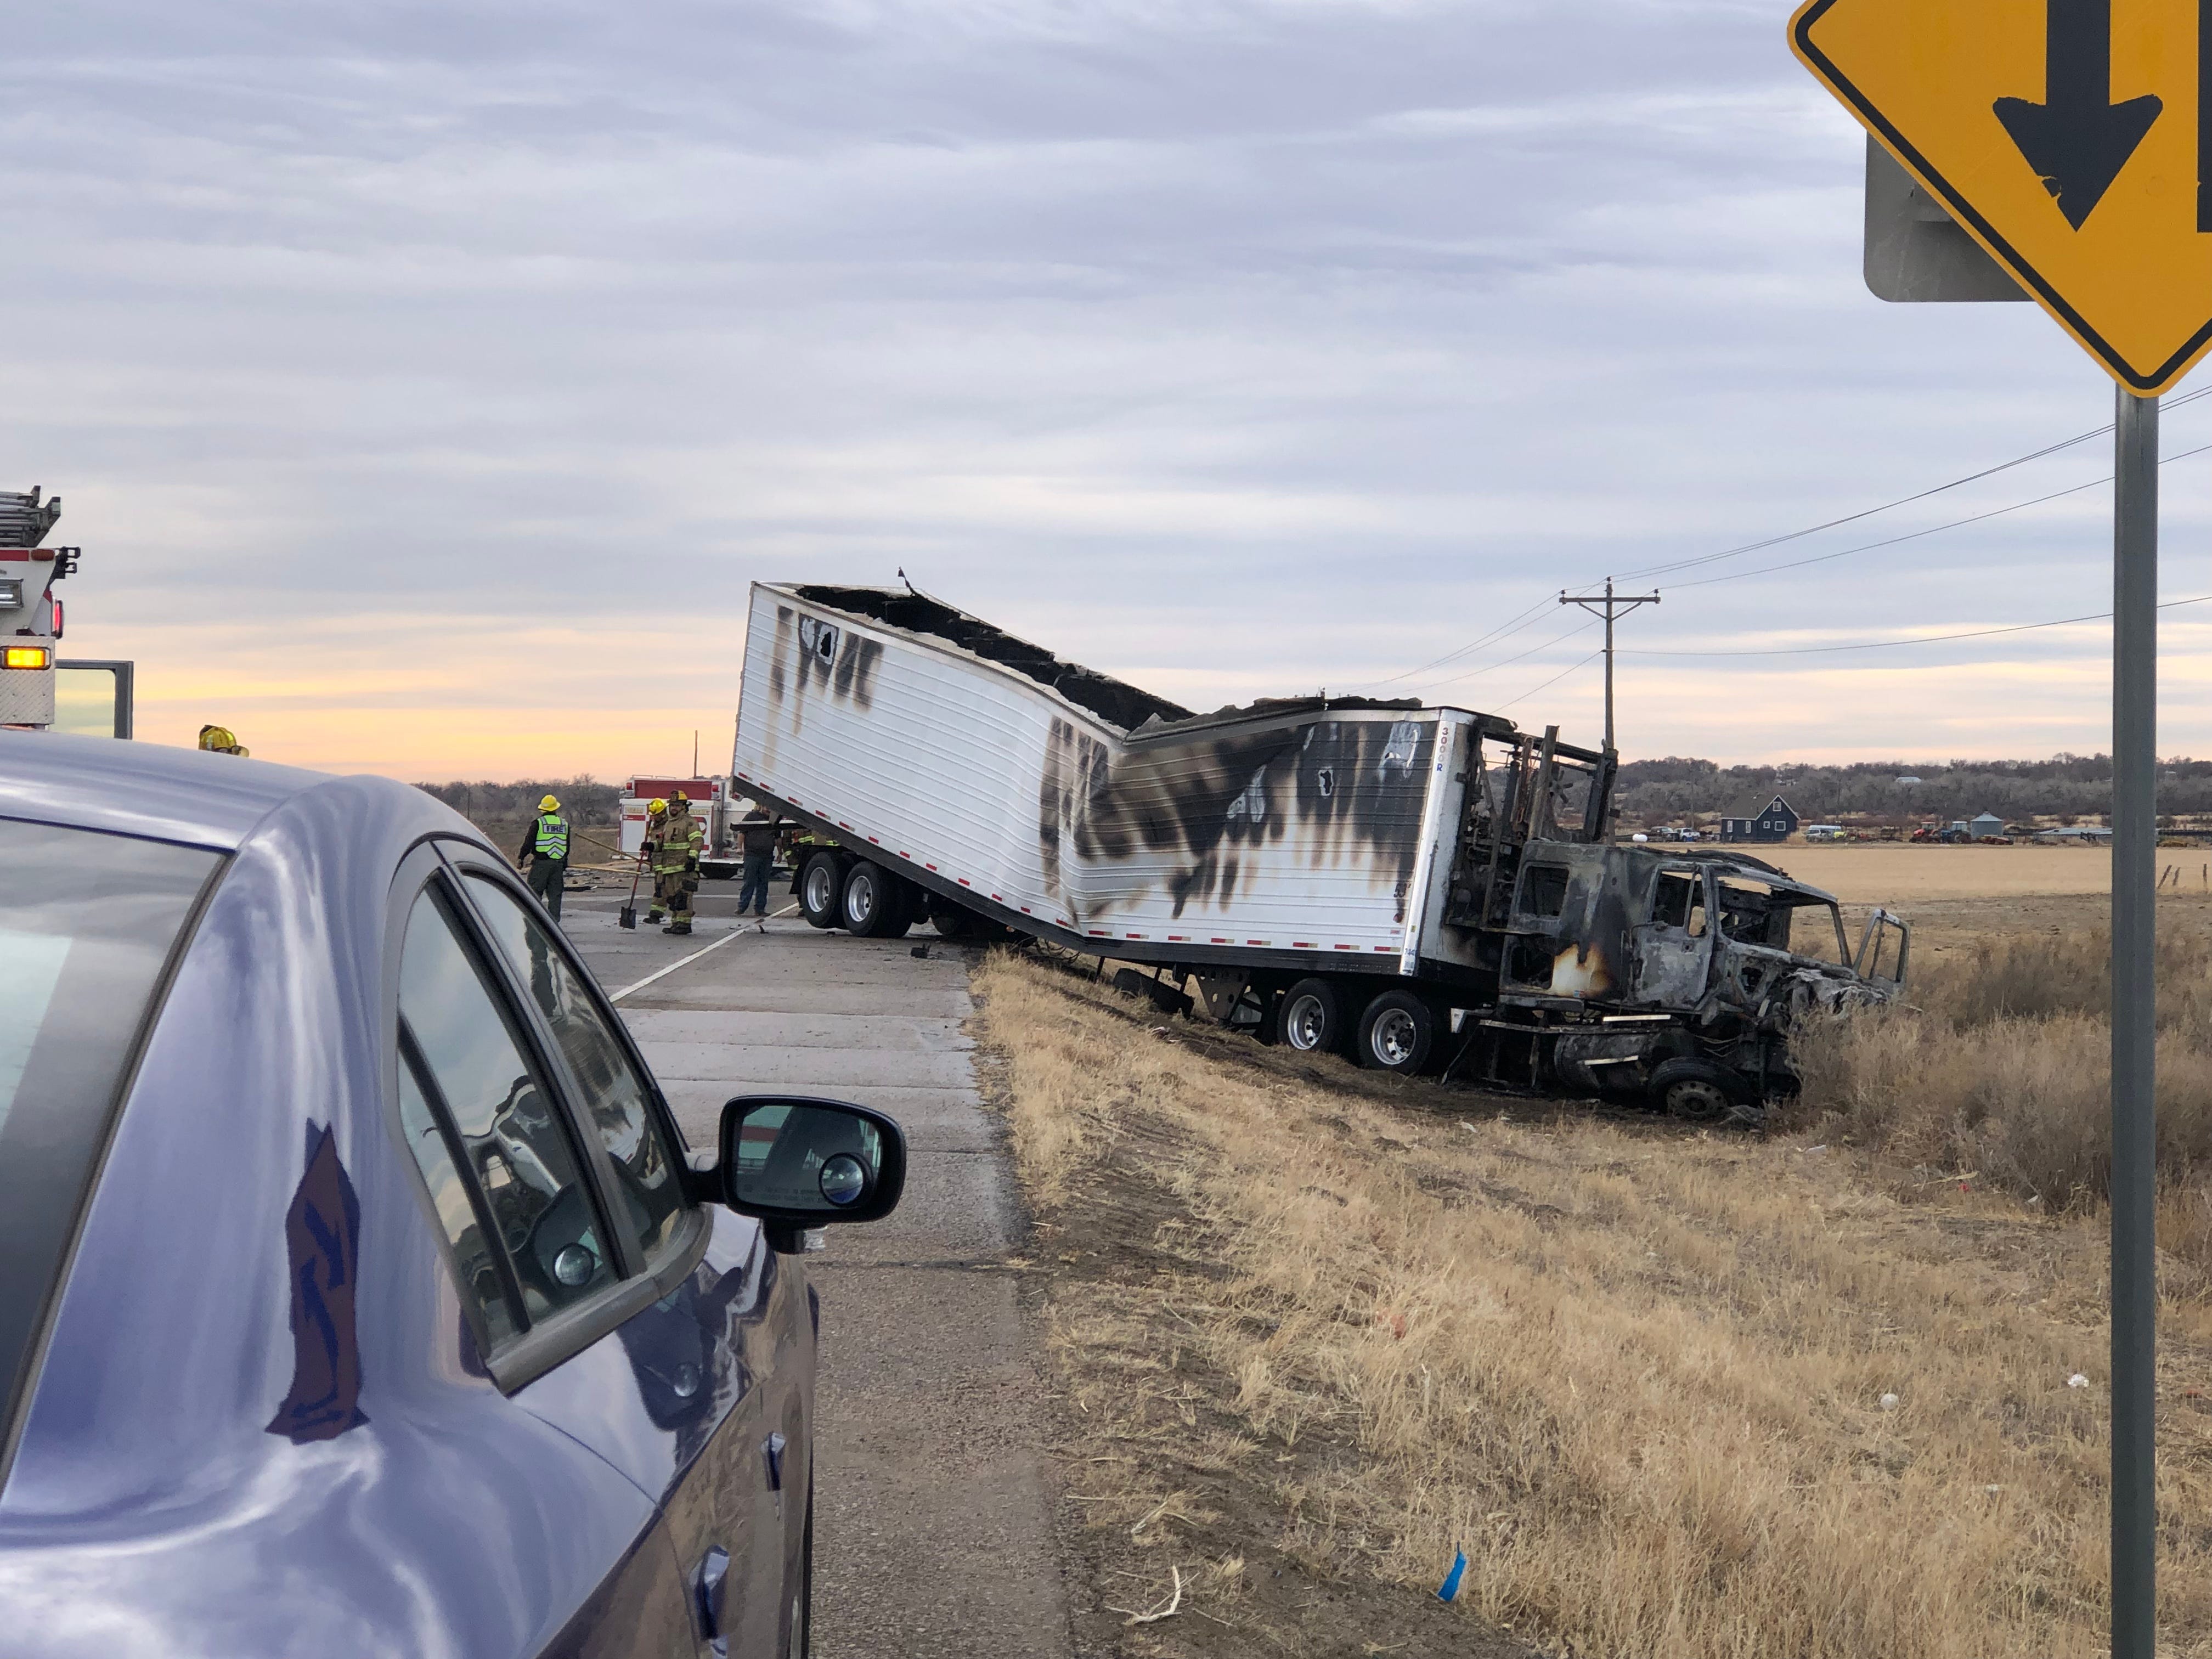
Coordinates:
(673, 841)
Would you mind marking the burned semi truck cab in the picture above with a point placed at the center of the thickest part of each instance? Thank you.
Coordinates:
(1671, 975)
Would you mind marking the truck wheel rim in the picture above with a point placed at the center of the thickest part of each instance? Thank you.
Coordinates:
(1306, 1022)
(1393, 1037)
(817, 890)
(1697, 1099)
(861, 900)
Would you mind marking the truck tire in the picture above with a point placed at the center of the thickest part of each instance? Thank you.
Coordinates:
(1697, 1090)
(1397, 1033)
(871, 906)
(821, 889)
(952, 920)
(1311, 1017)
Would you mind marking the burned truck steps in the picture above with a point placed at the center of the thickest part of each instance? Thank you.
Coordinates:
(1418, 886)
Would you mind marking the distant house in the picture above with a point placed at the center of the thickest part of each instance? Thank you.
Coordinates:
(1776, 821)
(1985, 824)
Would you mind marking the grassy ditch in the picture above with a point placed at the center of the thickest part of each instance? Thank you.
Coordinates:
(1998, 1072)
(1672, 1393)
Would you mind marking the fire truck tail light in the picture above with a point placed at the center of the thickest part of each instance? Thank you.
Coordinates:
(28, 656)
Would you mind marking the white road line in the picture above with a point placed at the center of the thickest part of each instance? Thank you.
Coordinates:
(662, 973)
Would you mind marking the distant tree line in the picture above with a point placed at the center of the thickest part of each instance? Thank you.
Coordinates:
(2065, 787)
(585, 802)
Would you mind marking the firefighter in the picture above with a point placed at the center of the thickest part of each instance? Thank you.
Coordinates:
(222, 740)
(545, 854)
(675, 848)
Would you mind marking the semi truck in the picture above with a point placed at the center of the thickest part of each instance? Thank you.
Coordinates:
(1422, 887)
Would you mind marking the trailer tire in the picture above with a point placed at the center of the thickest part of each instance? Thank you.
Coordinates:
(871, 906)
(1311, 1017)
(950, 919)
(1697, 1090)
(1397, 1033)
(821, 890)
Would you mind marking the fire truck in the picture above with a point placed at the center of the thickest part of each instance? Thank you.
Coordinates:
(30, 613)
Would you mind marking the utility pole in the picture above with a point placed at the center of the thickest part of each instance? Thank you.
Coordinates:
(1608, 604)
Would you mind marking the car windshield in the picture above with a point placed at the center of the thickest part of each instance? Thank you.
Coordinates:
(88, 921)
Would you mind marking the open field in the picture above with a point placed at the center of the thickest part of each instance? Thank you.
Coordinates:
(1673, 1393)
(1888, 873)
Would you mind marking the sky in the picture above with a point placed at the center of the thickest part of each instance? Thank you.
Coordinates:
(426, 384)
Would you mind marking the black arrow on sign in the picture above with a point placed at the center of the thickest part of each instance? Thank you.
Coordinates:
(2078, 139)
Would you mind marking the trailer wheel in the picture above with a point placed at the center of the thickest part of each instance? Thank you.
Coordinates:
(821, 885)
(1311, 1017)
(1696, 1089)
(872, 907)
(952, 920)
(1397, 1033)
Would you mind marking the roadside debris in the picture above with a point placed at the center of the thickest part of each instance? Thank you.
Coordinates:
(1449, 1590)
(1165, 1610)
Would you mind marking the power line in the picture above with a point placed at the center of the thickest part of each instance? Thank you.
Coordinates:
(1868, 547)
(1902, 500)
(1554, 680)
(1925, 639)
(1491, 668)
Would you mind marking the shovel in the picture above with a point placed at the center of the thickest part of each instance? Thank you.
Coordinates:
(627, 918)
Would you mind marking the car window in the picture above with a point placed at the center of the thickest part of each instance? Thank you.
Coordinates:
(647, 1169)
(513, 1138)
(475, 1257)
(88, 921)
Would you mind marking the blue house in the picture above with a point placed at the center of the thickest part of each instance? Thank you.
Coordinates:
(1776, 821)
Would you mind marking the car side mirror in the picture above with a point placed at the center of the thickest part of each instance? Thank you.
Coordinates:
(795, 1163)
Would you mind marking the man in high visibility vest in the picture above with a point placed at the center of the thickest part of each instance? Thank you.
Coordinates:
(673, 844)
(545, 852)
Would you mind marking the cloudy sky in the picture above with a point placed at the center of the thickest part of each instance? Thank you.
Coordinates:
(426, 383)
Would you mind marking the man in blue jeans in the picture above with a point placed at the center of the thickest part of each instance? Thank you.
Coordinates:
(756, 831)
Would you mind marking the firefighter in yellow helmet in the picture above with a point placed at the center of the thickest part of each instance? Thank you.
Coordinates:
(673, 842)
(222, 740)
(545, 854)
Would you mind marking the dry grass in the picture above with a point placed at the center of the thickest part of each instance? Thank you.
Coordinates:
(1639, 1376)
(2000, 1068)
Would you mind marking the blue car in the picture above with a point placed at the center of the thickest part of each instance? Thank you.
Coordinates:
(358, 1294)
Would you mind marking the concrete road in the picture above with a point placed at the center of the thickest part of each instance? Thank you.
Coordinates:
(933, 1518)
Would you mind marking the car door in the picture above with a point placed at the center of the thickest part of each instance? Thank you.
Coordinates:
(1674, 949)
(693, 1395)
(505, 1178)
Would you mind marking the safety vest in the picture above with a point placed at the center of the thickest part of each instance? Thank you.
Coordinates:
(552, 835)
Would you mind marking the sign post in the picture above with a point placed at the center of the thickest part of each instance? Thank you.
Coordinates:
(2134, 838)
(2073, 143)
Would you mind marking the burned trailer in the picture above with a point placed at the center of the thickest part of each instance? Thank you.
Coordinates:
(1414, 886)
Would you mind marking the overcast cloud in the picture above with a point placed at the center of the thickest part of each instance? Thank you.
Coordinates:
(425, 383)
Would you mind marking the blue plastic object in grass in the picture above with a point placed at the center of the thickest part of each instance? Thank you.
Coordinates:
(1449, 1590)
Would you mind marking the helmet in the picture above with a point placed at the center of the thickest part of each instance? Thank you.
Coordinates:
(675, 795)
(218, 737)
(548, 804)
(655, 808)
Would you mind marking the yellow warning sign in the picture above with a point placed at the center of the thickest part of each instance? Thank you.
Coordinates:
(2068, 136)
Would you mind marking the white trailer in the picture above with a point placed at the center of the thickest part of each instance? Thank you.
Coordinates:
(1337, 872)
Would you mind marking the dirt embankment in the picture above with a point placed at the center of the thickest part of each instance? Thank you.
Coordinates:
(1672, 1393)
